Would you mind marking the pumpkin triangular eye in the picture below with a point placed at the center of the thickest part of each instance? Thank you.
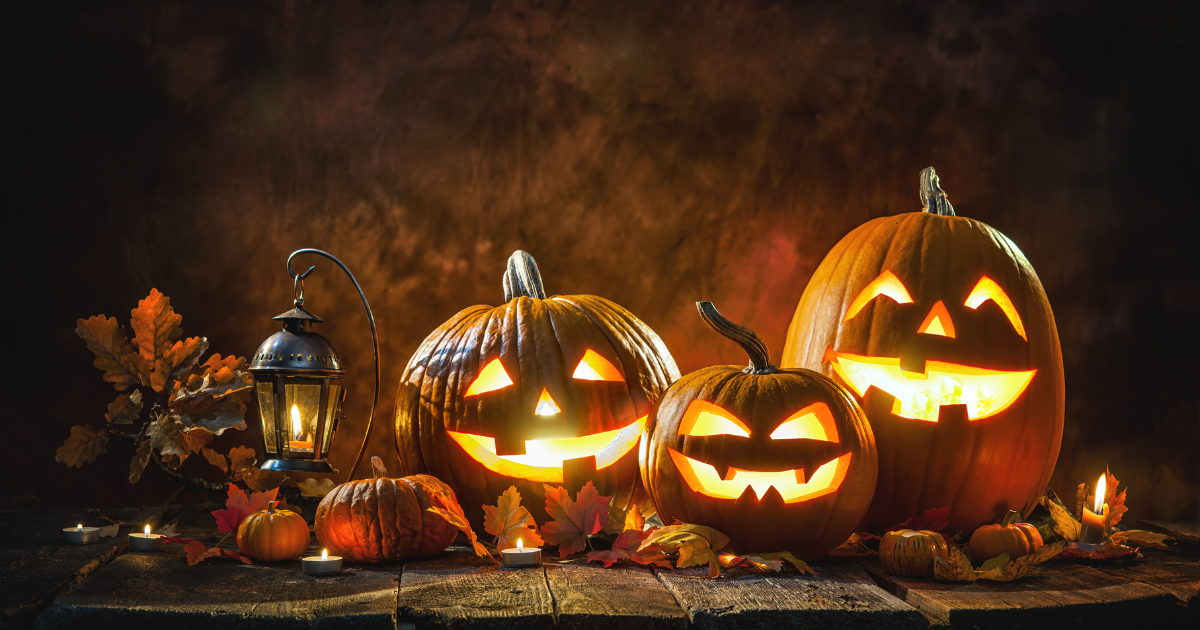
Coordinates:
(886, 284)
(987, 289)
(938, 322)
(593, 367)
(704, 418)
(814, 422)
(491, 378)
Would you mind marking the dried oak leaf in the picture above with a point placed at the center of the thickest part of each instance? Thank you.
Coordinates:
(115, 356)
(856, 545)
(241, 458)
(955, 567)
(141, 458)
(634, 519)
(216, 400)
(1064, 524)
(1109, 551)
(1141, 538)
(196, 439)
(155, 325)
(934, 520)
(166, 435)
(177, 360)
(1115, 501)
(696, 545)
(216, 459)
(316, 487)
(627, 546)
(238, 506)
(83, 446)
(125, 409)
(509, 521)
(264, 480)
(450, 510)
(768, 562)
(574, 520)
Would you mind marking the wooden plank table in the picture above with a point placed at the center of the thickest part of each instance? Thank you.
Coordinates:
(103, 585)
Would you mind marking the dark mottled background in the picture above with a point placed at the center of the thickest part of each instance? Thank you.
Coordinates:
(651, 152)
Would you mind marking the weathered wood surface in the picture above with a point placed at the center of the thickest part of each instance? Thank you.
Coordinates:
(159, 589)
(36, 565)
(842, 595)
(1058, 592)
(460, 590)
(590, 596)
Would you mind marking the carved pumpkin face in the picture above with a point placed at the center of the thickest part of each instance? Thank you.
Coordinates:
(535, 391)
(940, 325)
(776, 459)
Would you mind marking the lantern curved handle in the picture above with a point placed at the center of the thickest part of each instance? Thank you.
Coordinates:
(299, 278)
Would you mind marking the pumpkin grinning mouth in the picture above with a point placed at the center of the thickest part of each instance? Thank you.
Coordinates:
(790, 484)
(918, 396)
(543, 459)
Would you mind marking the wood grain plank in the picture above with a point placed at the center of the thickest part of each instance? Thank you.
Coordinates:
(590, 596)
(460, 590)
(1172, 572)
(842, 595)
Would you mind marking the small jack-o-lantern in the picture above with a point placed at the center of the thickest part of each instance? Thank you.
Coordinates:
(940, 325)
(776, 459)
(535, 391)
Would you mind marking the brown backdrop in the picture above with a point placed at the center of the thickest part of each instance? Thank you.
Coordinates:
(654, 153)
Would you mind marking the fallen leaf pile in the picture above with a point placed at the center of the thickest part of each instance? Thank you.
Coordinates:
(957, 567)
(696, 545)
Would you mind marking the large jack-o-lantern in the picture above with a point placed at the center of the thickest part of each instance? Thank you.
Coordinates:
(535, 391)
(941, 326)
(779, 460)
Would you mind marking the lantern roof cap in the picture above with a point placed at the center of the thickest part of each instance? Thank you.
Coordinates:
(297, 349)
(300, 314)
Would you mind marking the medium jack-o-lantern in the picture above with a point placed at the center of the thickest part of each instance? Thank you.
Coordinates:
(941, 326)
(535, 391)
(776, 459)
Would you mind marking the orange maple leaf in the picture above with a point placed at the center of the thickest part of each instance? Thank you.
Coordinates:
(634, 519)
(626, 547)
(575, 519)
(450, 510)
(509, 521)
(238, 506)
(1116, 502)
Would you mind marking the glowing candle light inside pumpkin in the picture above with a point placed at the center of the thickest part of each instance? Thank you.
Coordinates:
(1095, 522)
(298, 431)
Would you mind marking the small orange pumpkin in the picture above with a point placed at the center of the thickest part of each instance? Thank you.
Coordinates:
(911, 552)
(1018, 539)
(273, 535)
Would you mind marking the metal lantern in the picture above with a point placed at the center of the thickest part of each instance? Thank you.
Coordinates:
(299, 379)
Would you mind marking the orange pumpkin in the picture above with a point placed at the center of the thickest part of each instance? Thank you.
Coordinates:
(911, 552)
(940, 325)
(273, 535)
(384, 520)
(1010, 536)
(535, 391)
(776, 459)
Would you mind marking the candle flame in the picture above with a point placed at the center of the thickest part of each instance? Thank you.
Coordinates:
(147, 530)
(1100, 494)
(520, 545)
(297, 428)
(79, 527)
(324, 554)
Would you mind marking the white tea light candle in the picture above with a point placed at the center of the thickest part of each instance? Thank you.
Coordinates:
(80, 535)
(324, 564)
(520, 556)
(145, 541)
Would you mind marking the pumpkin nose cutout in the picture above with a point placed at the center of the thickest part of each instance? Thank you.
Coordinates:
(546, 405)
(938, 322)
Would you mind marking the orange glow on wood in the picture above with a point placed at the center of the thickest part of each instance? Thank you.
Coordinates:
(546, 405)
(814, 422)
(543, 459)
(704, 479)
(886, 284)
(987, 289)
(919, 396)
(491, 378)
(594, 367)
(938, 322)
(704, 418)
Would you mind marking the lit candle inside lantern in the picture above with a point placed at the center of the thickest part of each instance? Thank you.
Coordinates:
(145, 541)
(519, 556)
(324, 565)
(80, 535)
(298, 431)
(1095, 523)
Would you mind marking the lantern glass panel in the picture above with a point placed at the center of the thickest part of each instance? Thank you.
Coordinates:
(303, 405)
(266, 407)
(335, 402)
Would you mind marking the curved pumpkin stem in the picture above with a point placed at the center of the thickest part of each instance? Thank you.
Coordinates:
(522, 278)
(933, 198)
(755, 347)
(1013, 516)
